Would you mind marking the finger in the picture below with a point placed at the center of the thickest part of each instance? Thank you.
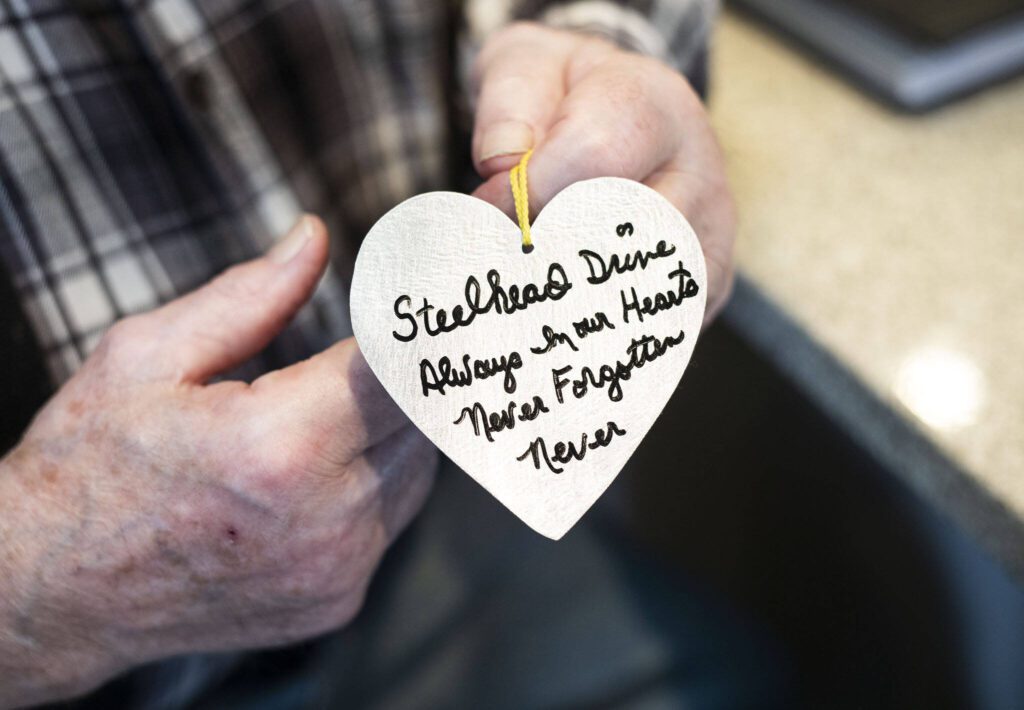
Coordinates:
(336, 398)
(701, 193)
(233, 317)
(621, 118)
(520, 77)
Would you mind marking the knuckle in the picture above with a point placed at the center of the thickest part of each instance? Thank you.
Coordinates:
(591, 52)
(658, 76)
(651, 82)
(606, 150)
(599, 142)
(303, 456)
(125, 341)
(676, 83)
(122, 332)
(233, 285)
(286, 459)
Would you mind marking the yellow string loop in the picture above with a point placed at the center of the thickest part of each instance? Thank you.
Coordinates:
(521, 196)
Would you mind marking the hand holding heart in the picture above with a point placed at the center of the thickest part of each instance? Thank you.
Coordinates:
(589, 109)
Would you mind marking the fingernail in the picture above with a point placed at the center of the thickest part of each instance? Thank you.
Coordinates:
(293, 242)
(506, 138)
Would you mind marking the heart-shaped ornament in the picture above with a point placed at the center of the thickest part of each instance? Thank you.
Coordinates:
(537, 373)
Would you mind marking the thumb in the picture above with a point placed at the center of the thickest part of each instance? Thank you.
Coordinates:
(520, 77)
(235, 315)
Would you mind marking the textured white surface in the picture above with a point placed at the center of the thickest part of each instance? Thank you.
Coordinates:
(429, 246)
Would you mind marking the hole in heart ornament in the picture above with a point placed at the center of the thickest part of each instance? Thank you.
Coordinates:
(538, 374)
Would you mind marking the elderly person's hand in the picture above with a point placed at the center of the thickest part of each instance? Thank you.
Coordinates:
(147, 512)
(590, 109)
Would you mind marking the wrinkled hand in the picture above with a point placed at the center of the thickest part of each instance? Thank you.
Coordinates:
(590, 109)
(147, 513)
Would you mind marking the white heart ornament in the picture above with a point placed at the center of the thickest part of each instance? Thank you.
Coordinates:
(538, 374)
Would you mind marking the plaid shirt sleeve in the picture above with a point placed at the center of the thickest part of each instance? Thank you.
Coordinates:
(146, 145)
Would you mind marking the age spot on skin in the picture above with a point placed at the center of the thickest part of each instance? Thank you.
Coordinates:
(49, 474)
(126, 568)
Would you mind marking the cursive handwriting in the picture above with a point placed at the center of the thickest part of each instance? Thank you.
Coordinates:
(493, 422)
(588, 326)
(601, 271)
(642, 351)
(565, 452)
(552, 339)
(662, 301)
(445, 375)
(499, 299)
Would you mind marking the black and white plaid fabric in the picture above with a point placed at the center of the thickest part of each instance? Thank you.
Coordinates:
(145, 145)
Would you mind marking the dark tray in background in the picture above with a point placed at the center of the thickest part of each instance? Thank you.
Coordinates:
(916, 54)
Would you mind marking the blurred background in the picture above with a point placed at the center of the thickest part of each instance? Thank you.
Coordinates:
(853, 428)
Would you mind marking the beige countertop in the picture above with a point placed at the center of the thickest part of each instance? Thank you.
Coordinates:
(882, 263)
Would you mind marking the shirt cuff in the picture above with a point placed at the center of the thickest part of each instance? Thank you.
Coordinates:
(620, 25)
